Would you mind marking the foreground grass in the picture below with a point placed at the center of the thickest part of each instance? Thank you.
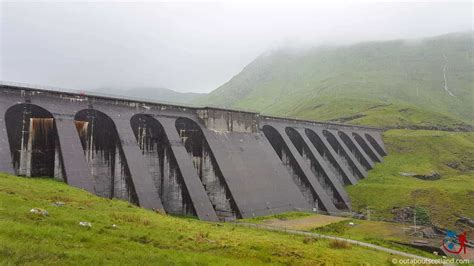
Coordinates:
(141, 236)
(386, 234)
(449, 153)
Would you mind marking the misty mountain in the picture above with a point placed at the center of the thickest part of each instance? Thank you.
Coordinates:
(427, 82)
(151, 94)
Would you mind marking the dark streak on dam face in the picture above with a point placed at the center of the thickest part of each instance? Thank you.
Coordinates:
(376, 145)
(355, 151)
(368, 150)
(288, 160)
(162, 164)
(343, 155)
(34, 143)
(103, 153)
(206, 168)
(315, 166)
(318, 143)
(208, 162)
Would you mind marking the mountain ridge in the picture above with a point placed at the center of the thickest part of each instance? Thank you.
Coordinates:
(409, 81)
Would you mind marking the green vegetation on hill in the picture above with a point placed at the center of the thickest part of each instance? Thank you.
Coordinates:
(400, 81)
(401, 84)
(421, 152)
(141, 237)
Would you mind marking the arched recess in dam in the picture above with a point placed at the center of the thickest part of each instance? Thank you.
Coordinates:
(374, 144)
(34, 142)
(161, 162)
(355, 151)
(324, 152)
(207, 168)
(104, 155)
(315, 167)
(344, 157)
(289, 162)
(366, 147)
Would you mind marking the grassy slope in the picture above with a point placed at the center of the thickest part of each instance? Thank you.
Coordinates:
(419, 151)
(142, 237)
(381, 233)
(402, 81)
(376, 232)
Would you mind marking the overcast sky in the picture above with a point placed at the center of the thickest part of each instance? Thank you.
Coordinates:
(190, 46)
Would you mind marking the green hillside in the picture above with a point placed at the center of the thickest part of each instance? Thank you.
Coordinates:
(451, 154)
(401, 81)
(394, 85)
(142, 237)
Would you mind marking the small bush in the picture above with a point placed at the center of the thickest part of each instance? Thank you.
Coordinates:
(338, 244)
(422, 216)
(309, 240)
(131, 218)
(334, 228)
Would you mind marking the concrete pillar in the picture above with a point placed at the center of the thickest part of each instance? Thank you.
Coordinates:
(202, 204)
(360, 152)
(145, 188)
(347, 154)
(368, 148)
(349, 176)
(313, 181)
(378, 143)
(338, 186)
(75, 166)
(6, 161)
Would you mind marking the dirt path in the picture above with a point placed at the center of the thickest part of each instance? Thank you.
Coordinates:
(306, 222)
(354, 242)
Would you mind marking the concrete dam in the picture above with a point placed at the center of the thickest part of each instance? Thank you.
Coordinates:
(212, 163)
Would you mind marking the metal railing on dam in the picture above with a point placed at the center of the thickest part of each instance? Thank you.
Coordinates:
(213, 163)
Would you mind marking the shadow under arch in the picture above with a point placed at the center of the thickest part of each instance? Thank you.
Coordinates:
(345, 159)
(374, 144)
(207, 168)
(290, 163)
(366, 147)
(355, 151)
(34, 142)
(315, 167)
(104, 155)
(162, 164)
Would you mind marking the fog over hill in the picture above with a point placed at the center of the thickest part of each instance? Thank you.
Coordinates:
(191, 46)
(424, 82)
